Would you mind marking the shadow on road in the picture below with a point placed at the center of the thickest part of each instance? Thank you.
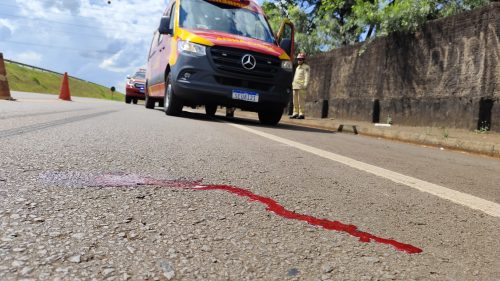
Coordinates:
(201, 116)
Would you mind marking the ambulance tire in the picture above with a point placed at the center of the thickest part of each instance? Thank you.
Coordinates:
(270, 116)
(172, 103)
(149, 102)
(210, 109)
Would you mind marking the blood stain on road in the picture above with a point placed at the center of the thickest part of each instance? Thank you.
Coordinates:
(131, 180)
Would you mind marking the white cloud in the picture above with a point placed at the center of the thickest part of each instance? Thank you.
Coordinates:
(7, 28)
(101, 42)
(8, 24)
(35, 9)
(112, 63)
(31, 58)
(72, 5)
(97, 41)
(49, 8)
(120, 85)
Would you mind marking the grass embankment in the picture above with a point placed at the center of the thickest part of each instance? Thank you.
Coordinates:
(32, 80)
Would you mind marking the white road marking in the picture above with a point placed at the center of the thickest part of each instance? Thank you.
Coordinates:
(473, 202)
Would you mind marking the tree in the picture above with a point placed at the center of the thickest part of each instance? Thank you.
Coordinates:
(342, 13)
(322, 25)
(312, 26)
(382, 17)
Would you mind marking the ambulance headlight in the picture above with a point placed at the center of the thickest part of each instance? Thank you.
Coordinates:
(191, 48)
(287, 65)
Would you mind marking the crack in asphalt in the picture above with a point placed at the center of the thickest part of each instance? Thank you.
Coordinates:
(46, 125)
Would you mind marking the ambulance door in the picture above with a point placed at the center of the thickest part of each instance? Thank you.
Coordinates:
(165, 39)
(286, 38)
(153, 66)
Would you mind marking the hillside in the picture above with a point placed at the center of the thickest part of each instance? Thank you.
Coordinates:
(33, 80)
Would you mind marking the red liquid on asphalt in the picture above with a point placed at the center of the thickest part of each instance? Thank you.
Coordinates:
(131, 180)
(276, 208)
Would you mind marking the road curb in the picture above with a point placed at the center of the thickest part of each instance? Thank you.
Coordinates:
(395, 133)
(483, 148)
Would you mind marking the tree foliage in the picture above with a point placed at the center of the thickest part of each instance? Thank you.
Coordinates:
(313, 28)
(322, 25)
(382, 17)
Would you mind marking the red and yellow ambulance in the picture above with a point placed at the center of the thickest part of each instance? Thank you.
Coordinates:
(220, 53)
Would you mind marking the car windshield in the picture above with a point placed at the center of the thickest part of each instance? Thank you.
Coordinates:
(202, 14)
(140, 75)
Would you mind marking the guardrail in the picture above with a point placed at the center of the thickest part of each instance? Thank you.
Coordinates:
(50, 71)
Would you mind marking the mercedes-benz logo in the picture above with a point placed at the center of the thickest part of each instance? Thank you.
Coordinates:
(248, 61)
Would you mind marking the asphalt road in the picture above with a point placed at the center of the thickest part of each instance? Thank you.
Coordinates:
(107, 191)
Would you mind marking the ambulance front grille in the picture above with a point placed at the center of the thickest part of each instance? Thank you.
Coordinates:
(229, 60)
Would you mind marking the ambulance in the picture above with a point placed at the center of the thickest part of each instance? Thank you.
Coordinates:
(220, 53)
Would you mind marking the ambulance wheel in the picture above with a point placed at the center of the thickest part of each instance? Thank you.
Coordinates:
(172, 104)
(210, 109)
(149, 102)
(270, 116)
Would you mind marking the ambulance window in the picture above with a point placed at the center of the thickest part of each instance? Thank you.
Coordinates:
(170, 24)
(259, 31)
(286, 38)
(224, 17)
(172, 19)
(287, 33)
(152, 49)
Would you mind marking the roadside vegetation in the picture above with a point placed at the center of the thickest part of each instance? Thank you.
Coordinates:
(26, 79)
(323, 25)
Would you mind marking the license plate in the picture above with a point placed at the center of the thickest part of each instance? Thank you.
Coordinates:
(245, 95)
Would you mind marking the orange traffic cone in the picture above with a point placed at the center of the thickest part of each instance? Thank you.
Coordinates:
(65, 95)
(4, 84)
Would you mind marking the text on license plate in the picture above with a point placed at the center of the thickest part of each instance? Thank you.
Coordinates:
(245, 95)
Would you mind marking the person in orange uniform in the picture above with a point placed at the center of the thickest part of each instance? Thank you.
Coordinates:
(299, 86)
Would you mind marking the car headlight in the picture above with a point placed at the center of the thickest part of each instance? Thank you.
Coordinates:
(287, 65)
(191, 48)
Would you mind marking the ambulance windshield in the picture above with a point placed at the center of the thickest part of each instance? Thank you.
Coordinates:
(226, 16)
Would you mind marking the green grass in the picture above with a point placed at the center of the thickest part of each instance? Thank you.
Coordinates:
(25, 79)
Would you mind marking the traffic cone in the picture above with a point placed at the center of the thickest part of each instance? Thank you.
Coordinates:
(65, 95)
(4, 84)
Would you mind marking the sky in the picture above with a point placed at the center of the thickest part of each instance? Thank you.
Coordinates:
(89, 39)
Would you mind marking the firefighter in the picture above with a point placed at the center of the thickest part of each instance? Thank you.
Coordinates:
(299, 86)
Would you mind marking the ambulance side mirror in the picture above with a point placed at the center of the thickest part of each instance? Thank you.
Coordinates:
(164, 26)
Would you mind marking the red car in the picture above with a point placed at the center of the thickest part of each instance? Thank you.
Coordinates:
(134, 89)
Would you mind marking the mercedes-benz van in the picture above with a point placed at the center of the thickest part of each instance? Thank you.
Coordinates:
(220, 53)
